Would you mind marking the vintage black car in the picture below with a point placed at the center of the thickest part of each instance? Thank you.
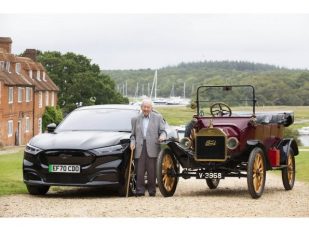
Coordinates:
(227, 143)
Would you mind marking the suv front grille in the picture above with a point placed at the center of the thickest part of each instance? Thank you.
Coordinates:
(67, 157)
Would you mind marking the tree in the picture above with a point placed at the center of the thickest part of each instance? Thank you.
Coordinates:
(80, 82)
(51, 115)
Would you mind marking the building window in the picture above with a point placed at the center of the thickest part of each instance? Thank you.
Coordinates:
(38, 75)
(46, 98)
(11, 93)
(10, 128)
(20, 94)
(30, 74)
(27, 124)
(1, 65)
(40, 125)
(18, 68)
(53, 99)
(44, 76)
(28, 94)
(7, 66)
(40, 99)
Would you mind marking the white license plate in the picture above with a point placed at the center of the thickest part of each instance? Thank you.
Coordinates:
(64, 168)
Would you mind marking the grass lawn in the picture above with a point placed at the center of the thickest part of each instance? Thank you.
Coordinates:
(302, 166)
(11, 181)
(11, 177)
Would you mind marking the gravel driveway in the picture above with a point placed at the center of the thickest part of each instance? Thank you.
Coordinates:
(192, 199)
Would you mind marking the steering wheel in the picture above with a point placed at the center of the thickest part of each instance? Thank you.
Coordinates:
(220, 109)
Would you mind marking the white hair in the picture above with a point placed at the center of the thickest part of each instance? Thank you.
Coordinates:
(147, 101)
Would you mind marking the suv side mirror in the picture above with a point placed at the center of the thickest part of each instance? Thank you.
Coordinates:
(51, 127)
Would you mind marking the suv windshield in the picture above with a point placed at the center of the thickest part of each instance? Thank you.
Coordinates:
(98, 119)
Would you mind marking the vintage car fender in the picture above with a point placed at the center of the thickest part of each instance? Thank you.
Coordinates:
(256, 143)
(284, 147)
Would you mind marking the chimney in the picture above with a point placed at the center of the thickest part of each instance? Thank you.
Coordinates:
(30, 53)
(6, 44)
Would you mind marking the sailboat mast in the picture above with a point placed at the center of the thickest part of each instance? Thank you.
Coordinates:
(156, 84)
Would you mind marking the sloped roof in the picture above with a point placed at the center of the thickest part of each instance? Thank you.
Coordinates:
(23, 79)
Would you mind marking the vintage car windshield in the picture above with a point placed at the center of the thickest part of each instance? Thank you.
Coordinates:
(98, 119)
(239, 98)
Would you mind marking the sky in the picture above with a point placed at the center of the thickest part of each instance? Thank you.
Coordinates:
(135, 41)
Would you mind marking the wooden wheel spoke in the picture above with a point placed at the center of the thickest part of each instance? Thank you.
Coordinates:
(167, 164)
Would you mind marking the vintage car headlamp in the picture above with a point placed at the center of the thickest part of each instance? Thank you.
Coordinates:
(32, 150)
(108, 150)
(185, 143)
(232, 143)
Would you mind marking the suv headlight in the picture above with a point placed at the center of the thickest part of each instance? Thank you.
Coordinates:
(108, 150)
(32, 150)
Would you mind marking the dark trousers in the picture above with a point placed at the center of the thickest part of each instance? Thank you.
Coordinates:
(145, 164)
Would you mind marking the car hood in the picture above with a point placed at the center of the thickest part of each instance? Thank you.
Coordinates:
(78, 139)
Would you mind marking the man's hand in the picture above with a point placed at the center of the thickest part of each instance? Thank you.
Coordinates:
(161, 139)
(132, 146)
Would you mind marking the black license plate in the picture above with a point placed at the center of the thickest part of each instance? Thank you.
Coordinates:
(209, 175)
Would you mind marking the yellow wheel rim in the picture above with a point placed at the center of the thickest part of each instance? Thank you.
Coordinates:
(290, 169)
(168, 181)
(258, 172)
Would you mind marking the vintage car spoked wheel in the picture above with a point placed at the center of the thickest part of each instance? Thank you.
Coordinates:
(256, 173)
(212, 183)
(220, 109)
(166, 172)
(37, 190)
(288, 173)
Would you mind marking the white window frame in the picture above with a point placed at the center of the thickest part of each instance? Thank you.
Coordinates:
(18, 68)
(2, 65)
(40, 99)
(7, 66)
(20, 95)
(28, 94)
(30, 74)
(44, 76)
(53, 98)
(10, 128)
(40, 125)
(46, 98)
(11, 95)
(38, 75)
(27, 124)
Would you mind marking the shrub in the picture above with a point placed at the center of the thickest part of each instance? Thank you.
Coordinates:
(51, 115)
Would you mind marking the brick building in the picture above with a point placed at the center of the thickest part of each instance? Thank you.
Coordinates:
(25, 91)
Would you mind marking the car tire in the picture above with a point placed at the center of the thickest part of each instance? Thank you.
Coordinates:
(132, 187)
(288, 173)
(256, 173)
(37, 190)
(212, 183)
(166, 163)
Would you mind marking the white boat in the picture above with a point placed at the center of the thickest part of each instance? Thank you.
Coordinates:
(303, 131)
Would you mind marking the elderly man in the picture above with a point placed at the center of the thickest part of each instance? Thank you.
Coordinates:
(147, 132)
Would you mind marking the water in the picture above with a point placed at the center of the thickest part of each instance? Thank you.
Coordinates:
(304, 139)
